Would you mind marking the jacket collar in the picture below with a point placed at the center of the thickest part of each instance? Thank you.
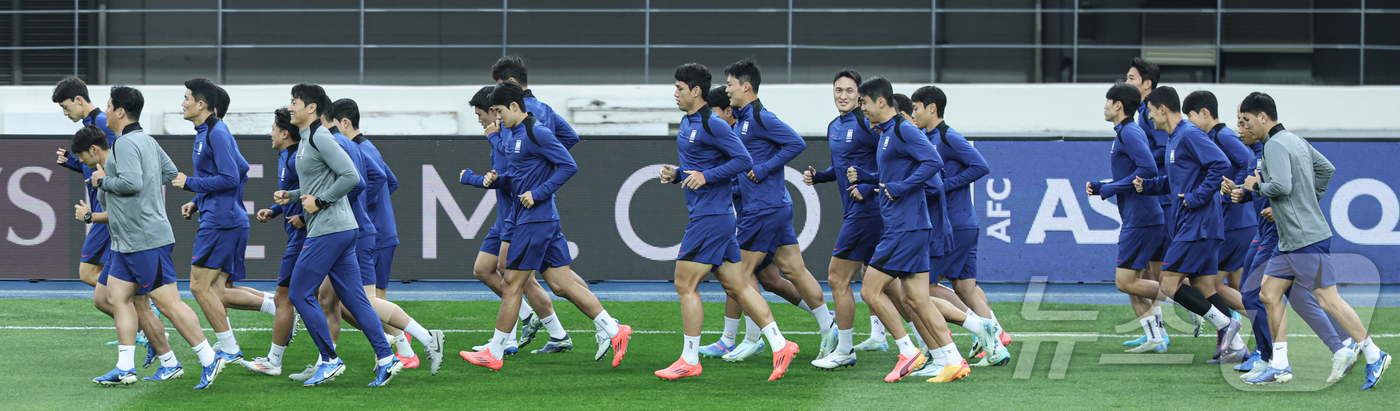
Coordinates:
(131, 128)
(1277, 128)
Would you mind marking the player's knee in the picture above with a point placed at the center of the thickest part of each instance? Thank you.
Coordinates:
(870, 293)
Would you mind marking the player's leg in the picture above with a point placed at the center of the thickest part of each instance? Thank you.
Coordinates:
(308, 277)
(1271, 293)
(283, 324)
(534, 310)
(1251, 281)
(1343, 347)
(753, 334)
(941, 346)
(839, 276)
(244, 298)
(1377, 361)
(774, 282)
(394, 316)
(206, 284)
(88, 273)
(735, 277)
(789, 260)
(348, 281)
(872, 291)
(512, 285)
(936, 289)
(687, 281)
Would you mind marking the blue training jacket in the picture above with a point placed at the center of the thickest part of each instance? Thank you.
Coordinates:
(538, 164)
(378, 203)
(287, 181)
(706, 144)
(1194, 168)
(853, 143)
(220, 172)
(907, 161)
(771, 144)
(1130, 158)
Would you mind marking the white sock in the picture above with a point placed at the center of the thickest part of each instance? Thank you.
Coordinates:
(1157, 314)
(775, 337)
(551, 324)
(126, 357)
(1237, 343)
(950, 354)
(514, 330)
(168, 359)
(803, 305)
(605, 323)
(418, 332)
(497, 346)
(269, 306)
(970, 313)
(1280, 356)
(384, 361)
(405, 348)
(525, 309)
(731, 331)
(914, 331)
(994, 317)
(690, 352)
(1372, 352)
(1348, 342)
(205, 353)
(274, 355)
(1218, 319)
(1149, 328)
(227, 343)
(877, 328)
(973, 323)
(844, 341)
(906, 347)
(938, 358)
(751, 331)
(269, 295)
(823, 318)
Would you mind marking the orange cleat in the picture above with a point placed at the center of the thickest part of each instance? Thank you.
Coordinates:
(904, 366)
(1005, 338)
(782, 359)
(408, 362)
(980, 354)
(483, 358)
(679, 369)
(952, 372)
(619, 344)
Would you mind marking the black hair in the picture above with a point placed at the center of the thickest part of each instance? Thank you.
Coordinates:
(508, 92)
(129, 99)
(1128, 95)
(86, 137)
(68, 88)
(904, 103)
(1148, 71)
(850, 74)
(877, 88)
(202, 89)
(1165, 96)
(482, 99)
(282, 118)
(509, 67)
(931, 95)
(746, 71)
(1201, 99)
(1258, 102)
(222, 107)
(346, 108)
(717, 97)
(694, 75)
(312, 93)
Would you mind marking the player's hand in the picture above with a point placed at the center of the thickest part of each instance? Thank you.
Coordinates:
(527, 199)
(1137, 183)
(62, 156)
(1268, 213)
(1250, 181)
(1183, 201)
(887, 192)
(187, 210)
(1237, 195)
(494, 127)
(264, 215)
(1226, 185)
(461, 174)
(694, 179)
(80, 210)
(855, 192)
(807, 175)
(1089, 187)
(852, 175)
(281, 197)
(308, 202)
(96, 179)
(667, 173)
(752, 176)
(489, 178)
(296, 221)
(179, 181)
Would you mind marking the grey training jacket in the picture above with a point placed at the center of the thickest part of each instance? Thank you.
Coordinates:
(136, 169)
(326, 172)
(1295, 179)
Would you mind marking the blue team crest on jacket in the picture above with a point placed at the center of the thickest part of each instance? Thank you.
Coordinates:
(1173, 157)
(746, 128)
(886, 144)
(517, 146)
(198, 148)
(692, 136)
(850, 133)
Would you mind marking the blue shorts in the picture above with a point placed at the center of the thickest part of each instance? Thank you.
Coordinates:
(1136, 246)
(331, 252)
(106, 268)
(1309, 267)
(95, 246)
(710, 240)
(492, 244)
(1263, 250)
(364, 256)
(1234, 248)
(383, 265)
(858, 237)
(1160, 254)
(221, 249)
(148, 269)
(1193, 258)
(542, 246)
(767, 229)
(901, 254)
(961, 263)
(767, 261)
(289, 264)
(507, 232)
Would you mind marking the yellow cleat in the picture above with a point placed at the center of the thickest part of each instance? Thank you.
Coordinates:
(952, 372)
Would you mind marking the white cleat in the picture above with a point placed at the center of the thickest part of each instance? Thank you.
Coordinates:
(1342, 361)
(835, 360)
(873, 344)
(434, 351)
(304, 375)
(1259, 368)
(1149, 346)
(262, 365)
(745, 350)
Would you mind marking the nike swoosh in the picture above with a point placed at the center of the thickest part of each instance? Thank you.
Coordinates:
(87, 255)
(146, 285)
(836, 249)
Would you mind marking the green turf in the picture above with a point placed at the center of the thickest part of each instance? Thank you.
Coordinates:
(51, 369)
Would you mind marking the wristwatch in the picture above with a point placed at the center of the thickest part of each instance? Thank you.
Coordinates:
(1256, 186)
(87, 218)
(322, 204)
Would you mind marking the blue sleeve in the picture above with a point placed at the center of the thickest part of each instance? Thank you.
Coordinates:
(374, 175)
(1239, 155)
(472, 179)
(867, 177)
(225, 165)
(825, 176)
(976, 164)
(393, 181)
(276, 209)
(930, 163)
(1146, 167)
(1213, 159)
(791, 143)
(553, 151)
(739, 159)
(563, 131)
(1155, 186)
(72, 163)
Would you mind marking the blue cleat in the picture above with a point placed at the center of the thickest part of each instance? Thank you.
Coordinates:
(873, 344)
(1232, 356)
(1272, 376)
(327, 372)
(211, 372)
(150, 356)
(1232, 331)
(556, 346)
(528, 328)
(128, 377)
(828, 343)
(231, 358)
(166, 373)
(716, 350)
(1248, 363)
(512, 349)
(386, 372)
(744, 350)
(1137, 342)
(1374, 371)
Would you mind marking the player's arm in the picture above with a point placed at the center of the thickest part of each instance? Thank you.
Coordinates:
(125, 180)
(70, 162)
(791, 145)
(554, 152)
(921, 150)
(276, 209)
(374, 174)
(473, 179)
(1239, 156)
(224, 153)
(967, 154)
(1215, 163)
(1322, 172)
(1280, 181)
(825, 176)
(1144, 166)
(340, 164)
(391, 181)
(1156, 186)
(562, 130)
(730, 145)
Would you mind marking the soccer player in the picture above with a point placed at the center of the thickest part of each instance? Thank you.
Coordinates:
(1194, 167)
(1145, 76)
(255, 300)
(220, 171)
(766, 226)
(538, 165)
(952, 202)
(852, 145)
(710, 156)
(906, 161)
(287, 140)
(326, 175)
(1142, 228)
(1294, 176)
(487, 258)
(140, 269)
